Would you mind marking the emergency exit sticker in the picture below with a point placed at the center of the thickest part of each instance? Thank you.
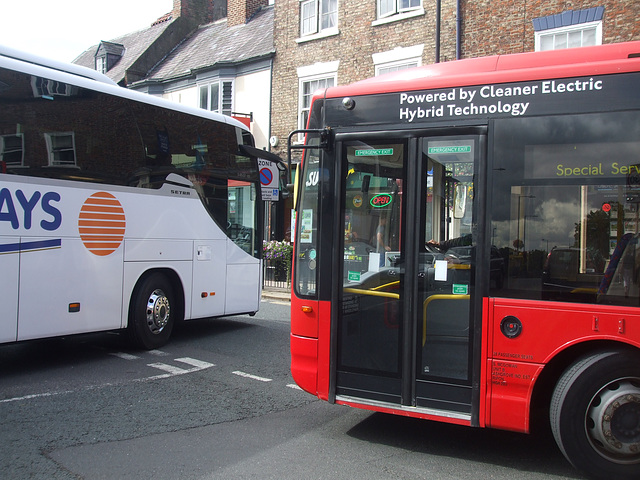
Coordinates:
(460, 289)
(450, 149)
(371, 152)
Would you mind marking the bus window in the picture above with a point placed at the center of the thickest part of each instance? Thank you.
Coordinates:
(307, 225)
(565, 207)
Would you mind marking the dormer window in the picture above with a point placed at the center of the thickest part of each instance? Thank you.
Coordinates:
(101, 64)
(107, 55)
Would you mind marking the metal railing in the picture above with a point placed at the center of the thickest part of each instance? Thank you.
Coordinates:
(276, 274)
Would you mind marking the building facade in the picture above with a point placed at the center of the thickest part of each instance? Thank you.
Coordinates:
(211, 54)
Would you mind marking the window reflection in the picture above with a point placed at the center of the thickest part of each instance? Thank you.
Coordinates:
(565, 207)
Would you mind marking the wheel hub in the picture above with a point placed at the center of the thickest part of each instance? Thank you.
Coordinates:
(615, 417)
(158, 311)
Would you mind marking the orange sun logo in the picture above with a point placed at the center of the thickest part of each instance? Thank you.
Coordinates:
(102, 223)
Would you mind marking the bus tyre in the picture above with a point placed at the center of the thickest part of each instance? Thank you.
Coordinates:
(595, 415)
(150, 313)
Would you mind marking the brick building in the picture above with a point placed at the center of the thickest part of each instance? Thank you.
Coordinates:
(522, 26)
(336, 47)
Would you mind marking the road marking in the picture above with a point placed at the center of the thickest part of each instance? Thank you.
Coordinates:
(195, 363)
(124, 356)
(168, 368)
(158, 353)
(35, 395)
(172, 370)
(253, 377)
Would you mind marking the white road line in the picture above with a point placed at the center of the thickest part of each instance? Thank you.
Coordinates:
(158, 353)
(195, 363)
(35, 395)
(294, 386)
(253, 377)
(168, 368)
(124, 356)
(172, 370)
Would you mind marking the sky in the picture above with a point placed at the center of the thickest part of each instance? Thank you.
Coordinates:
(63, 29)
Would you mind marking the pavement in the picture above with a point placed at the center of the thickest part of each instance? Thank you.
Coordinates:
(278, 294)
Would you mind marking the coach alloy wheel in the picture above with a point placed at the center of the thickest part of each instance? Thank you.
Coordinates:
(595, 415)
(151, 318)
(158, 311)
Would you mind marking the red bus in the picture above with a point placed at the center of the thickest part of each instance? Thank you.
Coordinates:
(467, 248)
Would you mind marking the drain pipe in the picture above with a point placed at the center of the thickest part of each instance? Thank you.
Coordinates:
(438, 5)
(458, 30)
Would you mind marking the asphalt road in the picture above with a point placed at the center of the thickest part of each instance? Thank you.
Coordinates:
(218, 402)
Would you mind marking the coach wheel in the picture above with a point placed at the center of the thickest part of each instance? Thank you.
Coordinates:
(151, 318)
(595, 415)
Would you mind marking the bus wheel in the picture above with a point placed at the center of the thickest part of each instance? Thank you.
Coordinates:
(150, 317)
(595, 415)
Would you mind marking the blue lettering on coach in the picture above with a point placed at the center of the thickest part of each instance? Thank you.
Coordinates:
(55, 223)
(27, 206)
(9, 212)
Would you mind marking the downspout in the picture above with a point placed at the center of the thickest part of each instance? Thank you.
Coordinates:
(438, 5)
(458, 30)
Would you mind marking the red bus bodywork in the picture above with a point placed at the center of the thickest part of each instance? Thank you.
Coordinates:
(516, 374)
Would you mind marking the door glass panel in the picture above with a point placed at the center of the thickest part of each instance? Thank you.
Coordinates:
(446, 260)
(371, 317)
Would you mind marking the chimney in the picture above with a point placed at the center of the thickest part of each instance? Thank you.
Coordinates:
(239, 11)
(199, 12)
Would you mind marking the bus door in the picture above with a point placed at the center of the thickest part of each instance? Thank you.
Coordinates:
(404, 320)
(446, 246)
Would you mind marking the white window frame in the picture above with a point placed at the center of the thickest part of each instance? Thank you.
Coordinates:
(101, 64)
(398, 59)
(581, 27)
(308, 17)
(312, 73)
(52, 151)
(312, 13)
(47, 88)
(4, 150)
(397, 11)
(221, 98)
(396, 66)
